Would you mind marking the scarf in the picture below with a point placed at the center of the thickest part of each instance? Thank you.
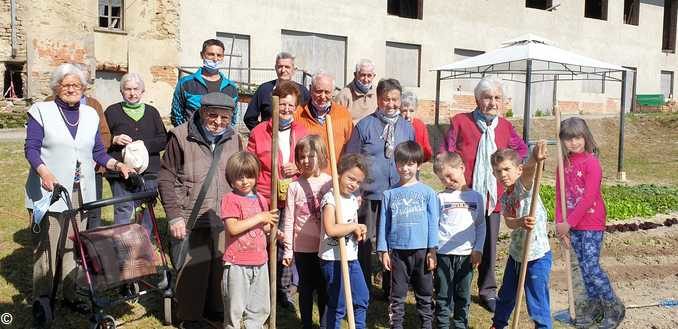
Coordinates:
(483, 179)
(134, 111)
(388, 135)
(285, 124)
(319, 114)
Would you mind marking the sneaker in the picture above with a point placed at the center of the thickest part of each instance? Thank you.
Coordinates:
(587, 313)
(489, 303)
(613, 313)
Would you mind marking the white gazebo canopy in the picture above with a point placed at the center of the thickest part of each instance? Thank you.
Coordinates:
(548, 62)
(531, 59)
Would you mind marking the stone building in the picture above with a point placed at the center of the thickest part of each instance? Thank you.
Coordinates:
(108, 37)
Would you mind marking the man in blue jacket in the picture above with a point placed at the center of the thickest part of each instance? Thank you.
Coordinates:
(207, 79)
(260, 105)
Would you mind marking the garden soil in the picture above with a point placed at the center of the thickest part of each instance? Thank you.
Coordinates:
(643, 269)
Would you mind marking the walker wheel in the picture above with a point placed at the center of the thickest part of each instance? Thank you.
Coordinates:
(107, 322)
(42, 312)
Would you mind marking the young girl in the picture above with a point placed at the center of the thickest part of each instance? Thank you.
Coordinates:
(586, 223)
(352, 170)
(302, 224)
(247, 221)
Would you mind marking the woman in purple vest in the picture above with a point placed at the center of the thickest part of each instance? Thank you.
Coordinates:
(63, 144)
(475, 136)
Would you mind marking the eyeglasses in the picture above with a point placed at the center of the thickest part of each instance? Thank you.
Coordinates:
(71, 86)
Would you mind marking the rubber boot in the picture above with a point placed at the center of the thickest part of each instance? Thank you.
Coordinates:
(613, 313)
(588, 311)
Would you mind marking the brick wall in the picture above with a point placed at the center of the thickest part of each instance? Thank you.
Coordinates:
(166, 74)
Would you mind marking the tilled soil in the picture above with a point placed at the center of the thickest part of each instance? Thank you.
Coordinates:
(643, 269)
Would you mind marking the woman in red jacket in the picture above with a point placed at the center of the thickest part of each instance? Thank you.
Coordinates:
(408, 105)
(260, 145)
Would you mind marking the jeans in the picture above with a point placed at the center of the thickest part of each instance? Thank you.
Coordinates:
(409, 267)
(123, 213)
(336, 304)
(310, 279)
(536, 292)
(453, 290)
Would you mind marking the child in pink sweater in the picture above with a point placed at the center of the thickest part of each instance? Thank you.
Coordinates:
(302, 224)
(585, 223)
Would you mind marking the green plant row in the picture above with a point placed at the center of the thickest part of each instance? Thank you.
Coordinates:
(623, 202)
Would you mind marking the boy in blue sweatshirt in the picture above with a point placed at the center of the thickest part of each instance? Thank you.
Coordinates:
(408, 235)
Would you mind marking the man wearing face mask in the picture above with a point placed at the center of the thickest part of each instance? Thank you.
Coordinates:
(313, 115)
(207, 79)
(359, 96)
(376, 137)
(190, 151)
(260, 105)
(476, 136)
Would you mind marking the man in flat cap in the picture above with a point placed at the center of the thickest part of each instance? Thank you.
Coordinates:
(191, 149)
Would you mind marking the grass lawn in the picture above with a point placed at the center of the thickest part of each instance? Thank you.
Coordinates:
(651, 157)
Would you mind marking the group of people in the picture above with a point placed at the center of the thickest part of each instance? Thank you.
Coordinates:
(216, 190)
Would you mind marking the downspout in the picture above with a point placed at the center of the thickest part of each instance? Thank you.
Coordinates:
(13, 14)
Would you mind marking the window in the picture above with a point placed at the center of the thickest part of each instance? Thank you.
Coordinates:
(466, 85)
(539, 4)
(596, 9)
(667, 84)
(110, 14)
(670, 22)
(403, 62)
(406, 8)
(315, 52)
(631, 11)
(236, 57)
(13, 84)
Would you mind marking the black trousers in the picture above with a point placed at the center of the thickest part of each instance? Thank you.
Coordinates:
(487, 280)
(409, 267)
(310, 280)
(368, 214)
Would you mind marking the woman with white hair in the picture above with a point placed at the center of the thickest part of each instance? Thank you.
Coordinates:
(63, 144)
(133, 123)
(408, 106)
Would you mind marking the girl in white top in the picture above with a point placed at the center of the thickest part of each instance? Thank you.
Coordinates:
(352, 170)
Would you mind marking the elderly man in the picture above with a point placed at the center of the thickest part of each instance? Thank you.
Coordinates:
(260, 105)
(475, 136)
(191, 149)
(313, 115)
(359, 96)
(207, 79)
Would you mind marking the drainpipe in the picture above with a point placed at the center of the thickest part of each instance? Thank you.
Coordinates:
(13, 14)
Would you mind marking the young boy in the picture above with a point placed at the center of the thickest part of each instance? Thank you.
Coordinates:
(247, 220)
(461, 236)
(408, 236)
(517, 179)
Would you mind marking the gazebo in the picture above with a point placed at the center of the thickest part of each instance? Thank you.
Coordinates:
(531, 59)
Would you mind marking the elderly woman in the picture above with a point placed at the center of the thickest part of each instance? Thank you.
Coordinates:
(376, 137)
(408, 105)
(63, 144)
(475, 136)
(289, 132)
(191, 149)
(130, 121)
